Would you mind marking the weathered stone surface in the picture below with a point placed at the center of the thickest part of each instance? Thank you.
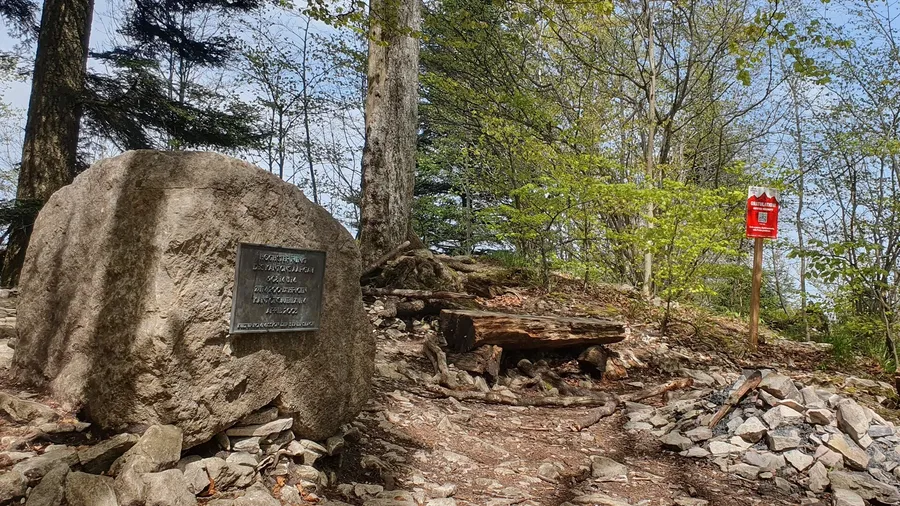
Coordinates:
(607, 469)
(723, 448)
(291, 496)
(865, 441)
(259, 417)
(419, 270)
(307, 473)
(819, 416)
(23, 411)
(830, 458)
(261, 430)
(741, 442)
(811, 399)
(865, 486)
(796, 406)
(781, 442)
(547, 471)
(691, 501)
(12, 486)
(52, 488)
(842, 497)
(97, 459)
(675, 441)
(126, 294)
(446, 501)
(250, 444)
(695, 452)
(167, 488)
(335, 444)
(36, 467)
(852, 419)
(439, 491)
(854, 456)
(764, 460)
(257, 495)
(751, 430)
(84, 489)
(747, 471)
(241, 469)
(129, 488)
(599, 498)
(798, 459)
(195, 475)
(699, 434)
(818, 478)
(780, 386)
(880, 431)
(11, 458)
(781, 415)
(392, 498)
(158, 449)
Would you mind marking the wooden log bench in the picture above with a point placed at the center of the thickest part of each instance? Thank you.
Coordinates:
(466, 329)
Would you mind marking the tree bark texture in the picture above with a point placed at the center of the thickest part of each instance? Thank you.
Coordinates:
(389, 154)
(465, 330)
(54, 114)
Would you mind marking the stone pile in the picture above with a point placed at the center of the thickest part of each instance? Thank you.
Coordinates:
(8, 300)
(241, 467)
(802, 438)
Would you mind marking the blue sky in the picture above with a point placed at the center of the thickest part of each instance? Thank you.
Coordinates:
(15, 95)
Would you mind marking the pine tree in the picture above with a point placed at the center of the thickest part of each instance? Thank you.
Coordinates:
(54, 116)
(153, 98)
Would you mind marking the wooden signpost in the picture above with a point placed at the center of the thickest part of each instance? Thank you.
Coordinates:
(762, 223)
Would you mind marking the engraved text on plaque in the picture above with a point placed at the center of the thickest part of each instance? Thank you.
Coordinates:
(277, 289)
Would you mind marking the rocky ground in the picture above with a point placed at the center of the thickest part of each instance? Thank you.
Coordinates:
(793, 439)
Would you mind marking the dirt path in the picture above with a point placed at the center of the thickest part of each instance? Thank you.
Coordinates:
(504, 455)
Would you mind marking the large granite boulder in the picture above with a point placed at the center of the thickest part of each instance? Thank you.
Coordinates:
(126, 293)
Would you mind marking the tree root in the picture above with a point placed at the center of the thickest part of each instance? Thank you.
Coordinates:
(439, 362)
(538, 401)
(595, 416)
(676, 384)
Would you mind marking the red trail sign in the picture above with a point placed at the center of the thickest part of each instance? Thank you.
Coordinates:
(762, 212)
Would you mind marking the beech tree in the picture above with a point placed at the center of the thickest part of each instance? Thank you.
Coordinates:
(389, 155)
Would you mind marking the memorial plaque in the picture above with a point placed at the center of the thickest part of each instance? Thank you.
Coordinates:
(277, 289)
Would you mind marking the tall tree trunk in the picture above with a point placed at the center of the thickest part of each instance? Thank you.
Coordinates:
(801, 188)
(389, 155)
(649, 147)
(54, 114)
(307, 103)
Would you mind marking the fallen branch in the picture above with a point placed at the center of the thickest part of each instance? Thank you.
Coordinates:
(543, 374)
(387, 257)
(414, 294)
(595, 416)
(495, 398)
(439, 362)
(735, 398)
(676, 384)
